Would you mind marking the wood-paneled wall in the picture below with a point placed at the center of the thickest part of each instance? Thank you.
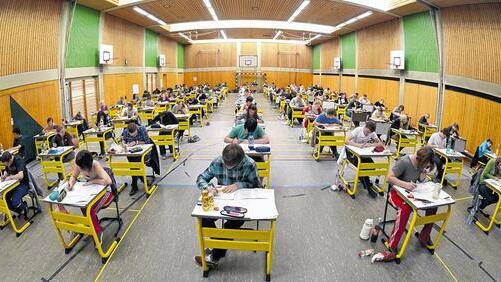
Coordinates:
(116, 85)
(127, 40)
(248, 48)
(210, 55)
(420, 99)
(472, 35)
(168, 48)
(39, 100)
(330, 81)
(376, 89)
(375, 43)
(347, 84)
(282, 79)
(284, 55)
(478, 118)
(212, 78)
(317, 79)
(29, 32)
(329, 50)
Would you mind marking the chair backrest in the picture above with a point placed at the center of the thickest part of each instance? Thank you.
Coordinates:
(113, 185)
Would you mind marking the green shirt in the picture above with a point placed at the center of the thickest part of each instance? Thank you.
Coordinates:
(239, 131)
(489, 171)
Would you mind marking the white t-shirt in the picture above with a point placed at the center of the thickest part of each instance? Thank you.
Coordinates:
(437, 140)
(358, 136)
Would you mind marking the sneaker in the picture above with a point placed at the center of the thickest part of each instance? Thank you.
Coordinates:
(384, 256)
(211, 264)
(424, 242)
(372, 193)
(133, 191)
(164, 157)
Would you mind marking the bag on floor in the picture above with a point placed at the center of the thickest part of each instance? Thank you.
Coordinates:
(193, 139)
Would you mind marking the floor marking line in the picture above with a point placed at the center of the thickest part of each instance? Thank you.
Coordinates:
(446, 267)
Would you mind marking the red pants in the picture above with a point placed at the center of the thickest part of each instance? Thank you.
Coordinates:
(104, 202)
(403, 213)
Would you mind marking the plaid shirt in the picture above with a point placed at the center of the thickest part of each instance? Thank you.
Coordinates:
(244, 175)
(142, 135)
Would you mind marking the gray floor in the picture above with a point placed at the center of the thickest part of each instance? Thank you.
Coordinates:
(317, 231)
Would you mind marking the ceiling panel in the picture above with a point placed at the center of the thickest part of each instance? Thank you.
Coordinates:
(174, 11)
(279, 10)
(409, 9)
(132, 16)
(328, 12)
(449, 3)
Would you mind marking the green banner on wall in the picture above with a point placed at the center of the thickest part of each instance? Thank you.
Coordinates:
(83, 45)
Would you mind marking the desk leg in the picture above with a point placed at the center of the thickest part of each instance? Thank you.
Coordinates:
(269, 253)
(492, 219)
(445, 171)
(353, 191)
(10, 219)
(440, 232)
(201, 245)
(407, 236)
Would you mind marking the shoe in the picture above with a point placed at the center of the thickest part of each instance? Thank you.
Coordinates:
(424, 243)
(133, 191)
(372, 193)
(211, 263)
(164, 157)
(384, 256)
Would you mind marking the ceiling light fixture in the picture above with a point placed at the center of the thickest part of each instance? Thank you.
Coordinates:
(261, 24)
(355, 19)
(148, 15)
(277, 35)
(185, 37)
(313, 38)
(211, 10)
(223, 34)
(201, 41)
(299, 10)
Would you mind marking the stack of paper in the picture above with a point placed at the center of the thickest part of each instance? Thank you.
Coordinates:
(5, 184)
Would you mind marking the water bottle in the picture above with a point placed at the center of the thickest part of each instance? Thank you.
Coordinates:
(250, 139)
(449, 145)
(366, 229)
(1, 148)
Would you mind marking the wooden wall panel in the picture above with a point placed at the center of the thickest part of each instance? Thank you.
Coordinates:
(379, 89)
(210, 55)
(27, 46)
(212, 78)
(330, 81)
(127, 40)
(472, 34)
(284, 55)
(329, 50)
(282, 79)
(317, 79)
(5, 125)
(168, 48)
(169, 79)
(478, 118)
(116, 85)
(348, 84)
(419, 100)
(248, 48)
(375, 43)
(180, 78)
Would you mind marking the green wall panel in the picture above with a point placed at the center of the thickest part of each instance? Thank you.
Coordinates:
(316, 56)
(421, 51)
(180, 56)
(151, 48)
(28, 126)
(348, 50)
(83, 45)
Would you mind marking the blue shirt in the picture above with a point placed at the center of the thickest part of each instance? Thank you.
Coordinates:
(483, 149)
(142, 135)
(323, 119)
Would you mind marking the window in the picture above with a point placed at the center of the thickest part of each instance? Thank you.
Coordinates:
(83, 97)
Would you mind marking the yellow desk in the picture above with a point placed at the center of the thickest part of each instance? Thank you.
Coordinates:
(365, 169)
(165, 136)
(404, 139)
(297, 113)
(122, 122)
(264, 167)
(160, 108)
(126, 168)
(341, 110)
(495, 186)
(444, 201)
(52, 161)
(72, 128)
(326, 137)
(425, 131)
(282, 105)
(197, 110)
(98, 135)
(184, 123)
(239, 239)
(311, 125)
(146, 114)
(115, 111)
(42, 141)
(6, 187)
(453, 164)
(80, 224)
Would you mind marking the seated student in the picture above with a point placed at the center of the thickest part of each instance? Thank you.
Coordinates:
(180, 108)
(149, 103)
(165, 118)
(91, 172)
(135, 135)
(240, 133)
(379, 104)
(402, 122)
(424, 119)
(146, 95)
(233, 170)
(328, 119)
(130, 111)
(405, 173)
(163, 97)
(364, 100)
(251, 113)
(342, 99)
(363, 136)
(61, 139)
(296, 102)
(492, 170)
(102, 119)
(314, 109)
(15, 169)
(103, 107)
(121, 101)
(81, 127)
(438, 140)
(379, 114)
(18, 142)
(248, 101)
(50, 126)
(135, 98)
(481, 153)
(397, 111)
